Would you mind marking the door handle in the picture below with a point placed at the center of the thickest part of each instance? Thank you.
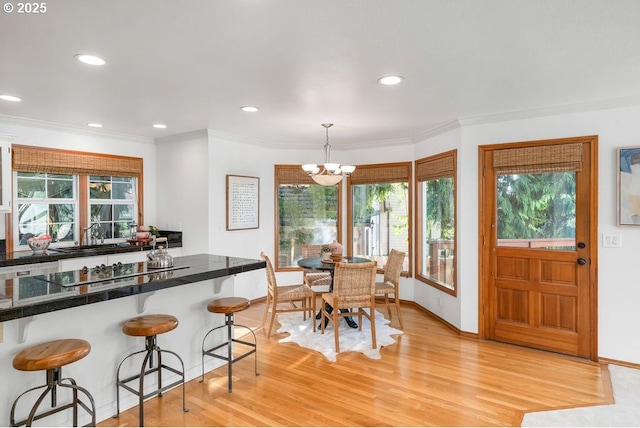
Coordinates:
(582, 261)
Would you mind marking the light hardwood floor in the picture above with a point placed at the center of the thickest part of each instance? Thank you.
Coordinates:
(431, 376)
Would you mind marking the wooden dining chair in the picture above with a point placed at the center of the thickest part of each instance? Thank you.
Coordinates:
(300, 297)
(319, 281)
(353, 291)
(391, 283)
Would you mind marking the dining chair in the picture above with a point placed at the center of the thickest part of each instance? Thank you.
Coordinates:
(391, 283)
(353, 291)
(300, 294)
(319, 281)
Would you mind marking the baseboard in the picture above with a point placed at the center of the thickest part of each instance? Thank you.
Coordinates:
(618, 363)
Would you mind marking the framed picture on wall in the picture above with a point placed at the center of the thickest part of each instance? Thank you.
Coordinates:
(629, 186)
(243, 202)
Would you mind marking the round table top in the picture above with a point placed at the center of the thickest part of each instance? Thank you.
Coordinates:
(316, 263)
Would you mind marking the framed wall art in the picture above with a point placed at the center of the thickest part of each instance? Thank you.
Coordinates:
(243, 202)
(629, 186)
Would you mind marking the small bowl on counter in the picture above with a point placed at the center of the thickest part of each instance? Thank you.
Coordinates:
(39, 245)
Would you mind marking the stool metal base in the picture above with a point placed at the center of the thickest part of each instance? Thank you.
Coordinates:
(55, 380)
(229, 323)
(151, 349)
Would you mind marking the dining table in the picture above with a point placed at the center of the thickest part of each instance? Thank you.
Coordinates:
(317, 263)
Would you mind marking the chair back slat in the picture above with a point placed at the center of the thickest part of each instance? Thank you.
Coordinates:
(354, 283)
(271, 275)
(393, 267)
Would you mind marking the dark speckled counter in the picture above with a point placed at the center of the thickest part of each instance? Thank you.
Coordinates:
(196, 268)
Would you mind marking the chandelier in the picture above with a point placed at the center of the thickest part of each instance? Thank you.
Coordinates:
(329, 173)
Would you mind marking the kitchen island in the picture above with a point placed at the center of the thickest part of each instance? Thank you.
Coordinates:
(82, 305)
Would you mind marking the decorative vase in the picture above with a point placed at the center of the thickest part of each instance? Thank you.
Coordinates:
(336, 257)
(326, 256)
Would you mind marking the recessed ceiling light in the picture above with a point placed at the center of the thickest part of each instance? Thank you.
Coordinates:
(90, 59)
(249, 109)
(95, 125)
(10, 98)
(159, 125)
(390, 80)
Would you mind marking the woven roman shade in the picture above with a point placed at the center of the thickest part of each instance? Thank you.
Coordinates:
(38, 159)
(292, 174)
(436, 167)
(385, 173)
(538, 159)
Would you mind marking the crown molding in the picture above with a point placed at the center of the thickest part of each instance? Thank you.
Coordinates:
(608, 104)
(176, 138)
(71, 129)
(248, 140)
(438, 129)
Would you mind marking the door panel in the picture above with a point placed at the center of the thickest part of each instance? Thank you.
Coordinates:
(535, 293)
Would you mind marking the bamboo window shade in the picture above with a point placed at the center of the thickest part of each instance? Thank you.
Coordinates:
(386, 173)
(292, 174)
(433, 169)
(538, 159)
(40, 160)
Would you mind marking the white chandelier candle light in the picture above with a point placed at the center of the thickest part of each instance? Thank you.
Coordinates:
(328, 173)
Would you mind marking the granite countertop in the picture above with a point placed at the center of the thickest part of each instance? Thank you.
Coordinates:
(18, 258)
(21, 297)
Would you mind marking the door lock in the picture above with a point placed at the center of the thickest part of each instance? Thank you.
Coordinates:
(582, 261)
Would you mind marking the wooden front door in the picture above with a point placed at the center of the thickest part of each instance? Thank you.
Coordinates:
(539, 245)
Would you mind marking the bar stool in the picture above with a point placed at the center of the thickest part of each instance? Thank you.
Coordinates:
(229, 306)
(52, 356)
(149, 326)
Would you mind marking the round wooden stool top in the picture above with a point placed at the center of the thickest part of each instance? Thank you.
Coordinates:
(51, 355)
(228, 305)
(149, 325)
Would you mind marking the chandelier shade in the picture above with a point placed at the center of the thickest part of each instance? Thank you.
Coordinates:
(328, 173)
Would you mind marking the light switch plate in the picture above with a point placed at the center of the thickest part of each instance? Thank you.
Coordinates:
(611, 241)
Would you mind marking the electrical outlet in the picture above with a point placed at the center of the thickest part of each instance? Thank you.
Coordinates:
(611, 241)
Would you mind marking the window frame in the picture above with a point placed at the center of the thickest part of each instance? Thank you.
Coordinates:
(371, 174)
(419, 253)
(112, 203)
(44, 200)
(83, 164)
(295, 173)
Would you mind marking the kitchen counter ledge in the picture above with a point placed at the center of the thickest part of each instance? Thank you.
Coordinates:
(195, 268)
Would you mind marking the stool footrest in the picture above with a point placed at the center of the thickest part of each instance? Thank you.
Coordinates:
(49, 388)
(123, 383)
(210, 353)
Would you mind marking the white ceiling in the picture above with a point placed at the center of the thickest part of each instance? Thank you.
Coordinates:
(192, 63)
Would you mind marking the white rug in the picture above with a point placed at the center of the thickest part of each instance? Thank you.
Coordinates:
(625, 412)
(351, 339)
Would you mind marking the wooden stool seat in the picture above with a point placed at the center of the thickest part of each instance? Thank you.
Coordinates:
(228, 305)
(149, 325)
(51, 355)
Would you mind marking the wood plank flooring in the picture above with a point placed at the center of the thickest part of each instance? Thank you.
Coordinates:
(430, 377)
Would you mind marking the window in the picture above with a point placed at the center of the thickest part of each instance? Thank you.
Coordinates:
(536, 196)
(112, 205)
(307, 213)
(47, 204)
(436, 221)
(60, 191)
(379, 214)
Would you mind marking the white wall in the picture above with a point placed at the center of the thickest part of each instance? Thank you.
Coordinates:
(182, 186)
